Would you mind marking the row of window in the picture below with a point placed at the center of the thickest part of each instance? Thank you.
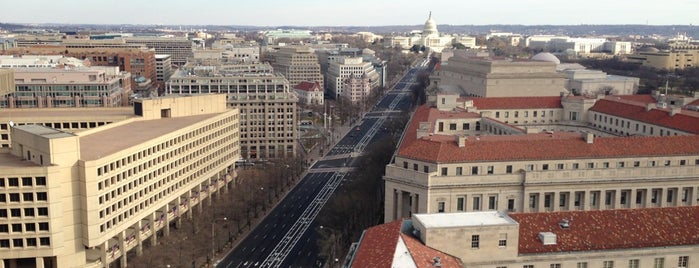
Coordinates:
(28, 212)
(476, 241)
(25, 197)
(489, 170)
(26, 227)
(626, 124)
(26, 181)
(25, 242)
(682, 262)
(506, 114)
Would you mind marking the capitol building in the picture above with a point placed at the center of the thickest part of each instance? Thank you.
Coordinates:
(429, 38)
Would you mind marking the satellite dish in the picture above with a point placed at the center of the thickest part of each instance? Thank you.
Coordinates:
(12, 124)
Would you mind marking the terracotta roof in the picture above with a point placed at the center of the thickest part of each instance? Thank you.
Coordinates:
(378, 245)
(308, 86)
(695, 102)
(544, 146)
(609, 229)
(424, 256)
(661, 117)
(516, 103)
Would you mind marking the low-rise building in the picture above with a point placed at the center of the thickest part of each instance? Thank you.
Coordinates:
(647, 237)
(310, 93)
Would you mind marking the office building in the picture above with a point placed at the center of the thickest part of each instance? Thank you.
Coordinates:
(72, 200)
(140, 62)
(68, 87)
(665, 59)
(339, 72)
(179, 49)
(163, 68)
(296, 63)
(538, 154)
(266, 102)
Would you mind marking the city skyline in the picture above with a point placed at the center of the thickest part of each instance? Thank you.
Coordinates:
(359, 13)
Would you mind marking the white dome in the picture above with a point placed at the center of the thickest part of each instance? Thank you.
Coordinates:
(545, 56)
(430, 26)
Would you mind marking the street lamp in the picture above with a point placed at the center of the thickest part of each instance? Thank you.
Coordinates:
(213, 236)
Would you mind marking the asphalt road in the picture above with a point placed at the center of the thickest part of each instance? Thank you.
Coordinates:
(286, 237)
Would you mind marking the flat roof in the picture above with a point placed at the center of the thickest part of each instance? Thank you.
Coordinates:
(45, 132)
(7, 160)
(66, 114)
(115, 139)
(463, 219)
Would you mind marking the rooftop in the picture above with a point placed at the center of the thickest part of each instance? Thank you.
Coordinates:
(93, 146)
(447, 220)
(609, 229)
(661, 117)
(516, 103)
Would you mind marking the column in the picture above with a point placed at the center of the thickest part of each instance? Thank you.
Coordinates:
(122, 248)
(556, 201)
(39, 262)
(399, 204)
(585, 201)
(390, 205)
(415, 200)
(649, 195)
(178, 212)
(188, 195)
(166, 220)
(154, 233)
(199, 198)
(139, 239)
(540, 202)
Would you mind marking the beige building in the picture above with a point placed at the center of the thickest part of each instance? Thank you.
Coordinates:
(356, 88)
(535, 154)
(592, 82)
(72, 200)
(647, 237)
(296, 63)
(7, 81)
(179, 49)
(340, 71)
(491, 77)
(68, 87)
(665, 59)
(266, 102)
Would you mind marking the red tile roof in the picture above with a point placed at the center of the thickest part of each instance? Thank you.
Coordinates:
(642, 98)
(424, 256)
(378, 246)
(609, 229)
(516, 103)
(545, 146)
(661, 117)
(308, 86)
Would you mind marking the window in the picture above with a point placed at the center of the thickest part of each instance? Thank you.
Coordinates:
(17, 242)
(547, 200)
(459, 171)
(43, 226)
(415, 167)
(576, 165)
(452, 126)
(608, 264)
(491, 202)
(582, 264)
(591, 165)
(545, 167)
(405, 166)
(491, 169)
(4, 243)
(466, 126)
(460, 204)
(633, 263)
(605, 165)
(555, 265)
(474, 170)
(41, 181)
(440, 207)
(528, 266)
(659, 263)
(510, 205)
(497, 114)
(43, 211)
(682, 261)
(476, 203)
(444, 171)
(475, 241)
(426, 169)
(503, 240)
(44, 241)
(16, 212)
(560, 166)
(13, 182)
(530, 167)
(562, 197)
(636, 163)
(620, 165)
(16, 227)
(30, 227)
(27, 197)
(532, 200)
(27, 181)
(508, 169)
(441, 127)
(14, 197)
(41, 196)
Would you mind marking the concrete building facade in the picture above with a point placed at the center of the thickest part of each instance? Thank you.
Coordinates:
(266, 102)
(7, 81)
(490, 77)
(179, 49)
(339, 72)
(81, 202)
(544, 154)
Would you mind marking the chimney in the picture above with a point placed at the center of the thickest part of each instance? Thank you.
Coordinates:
(675, 110)
(547, 238)
(461, 141)
(589, 137)
(650, 106)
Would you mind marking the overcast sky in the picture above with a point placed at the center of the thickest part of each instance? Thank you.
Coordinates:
(351, 12)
